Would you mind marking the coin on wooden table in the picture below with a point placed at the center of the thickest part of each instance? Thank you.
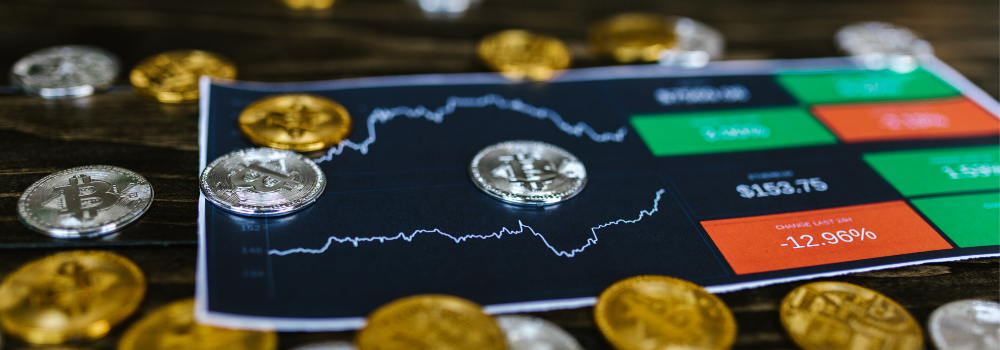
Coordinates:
(659, 312)
(531, 333)
(632, 37)
(65, 71)
(172, 77)
(71, 296)
(430, 322)
(520, 54)
(262, 182)
(333, 345)
(530, 173)
(299, 122)
(308, 4)
(966, 324)
(837, 315)
(173, 327)
(85, 201)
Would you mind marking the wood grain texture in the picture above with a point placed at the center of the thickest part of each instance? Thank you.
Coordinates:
(358, 38)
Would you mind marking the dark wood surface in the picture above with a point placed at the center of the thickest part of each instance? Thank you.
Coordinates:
(388, 37)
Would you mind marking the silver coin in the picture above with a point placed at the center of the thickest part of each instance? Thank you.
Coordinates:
(65, 71)
(697, 44)
(333, 345)
(262, 182)
(966, 325)
(533, 333)
(528, 173)
(880, 45)
(86, 201)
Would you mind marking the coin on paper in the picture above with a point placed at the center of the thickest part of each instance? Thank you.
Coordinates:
(430, 322)
(632, 37)
(530, 333)
(172, 77)
(85, 201)
(72, 296)
(659, 312)
(332, 345)
(966, 324)
(528, 173)
(520, 54)
(299, 122)
(173, 327)
(262, 182)
(837, 315)
(65, 71)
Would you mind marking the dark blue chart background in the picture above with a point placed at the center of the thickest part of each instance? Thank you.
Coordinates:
(414, 177)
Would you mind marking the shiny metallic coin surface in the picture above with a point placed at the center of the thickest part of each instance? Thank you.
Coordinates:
(632, 37)
(880, 45)
(531, 333)
(659, 312)
(85, 201)
(65, 71)
(262, 182)
(430, 322)
(299, 122)
(308, 4)
(528, 173)
(837, 315)
(520, 54)
(966, 325)
(172, 77)
(72, 296)
(333, 345)
(173, 327)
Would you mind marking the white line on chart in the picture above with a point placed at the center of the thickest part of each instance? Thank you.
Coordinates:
(384, 115)
(521, 227)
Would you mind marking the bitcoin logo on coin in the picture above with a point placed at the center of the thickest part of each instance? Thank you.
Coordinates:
(73, 296)
(264, 179)
(658, 312)
(80, 196)
(632, 37)
(173, 327)
(430, 322)
(298, 122)
(836, 315)
(172, 77)
(262, 182)
(519, 54)
(528, 173)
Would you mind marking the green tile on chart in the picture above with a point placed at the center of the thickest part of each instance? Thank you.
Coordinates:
(971, 220)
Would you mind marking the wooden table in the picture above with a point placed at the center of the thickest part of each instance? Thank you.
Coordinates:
(359, 38)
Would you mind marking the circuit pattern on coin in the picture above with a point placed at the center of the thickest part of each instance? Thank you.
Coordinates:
(85, 201)
(71, 296)
(430, 322)
(528, 173)
(966, 324)
(632, 37)
(520, 54)
(659, 312)
(299, 122)
(262, 182)
(530, 333)
(172, 77)
(837, 315)
(173, 327)
(65, 71)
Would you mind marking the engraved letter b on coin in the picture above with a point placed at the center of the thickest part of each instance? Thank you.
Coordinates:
(85, 197)
(267, 180)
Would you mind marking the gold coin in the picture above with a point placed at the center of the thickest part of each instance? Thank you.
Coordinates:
(172, 77)
(520, 54)
(632, 37)
(431, 322)
(299, 122)
(72, 296)
(173, 327)
(308, 4)
(659, 312)
(837, 315)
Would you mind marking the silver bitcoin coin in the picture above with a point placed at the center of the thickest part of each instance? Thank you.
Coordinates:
(966, 325)
(533, 333)
(65, 71)
(333, 345)
(528, 173)
(880, 45)
(86, 201)
(262, 182)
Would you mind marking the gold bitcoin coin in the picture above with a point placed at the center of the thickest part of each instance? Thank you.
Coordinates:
(308, 4)
(659, 312)
(72, 296)
(173, 327)
(431, 322)
(632, 37)
(519, 54)
(840, 316)
(172, 77)
(299, 122)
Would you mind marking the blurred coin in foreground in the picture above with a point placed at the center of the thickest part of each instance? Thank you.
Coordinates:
(632, 37)
(262, 182)
(173, 327)
(520, 54)
(531, 173)
(837, 315)
(659, 312)
(72, 296)
(966, 325)
(172, 77)
(65, 71)
(333, 345)
(430, 322)
(880, 45)
(299, 122)
(308, 4)
(85, 201)
(532, 333)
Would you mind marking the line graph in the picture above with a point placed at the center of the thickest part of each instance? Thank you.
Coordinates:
(383, 115)
(459, 239)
